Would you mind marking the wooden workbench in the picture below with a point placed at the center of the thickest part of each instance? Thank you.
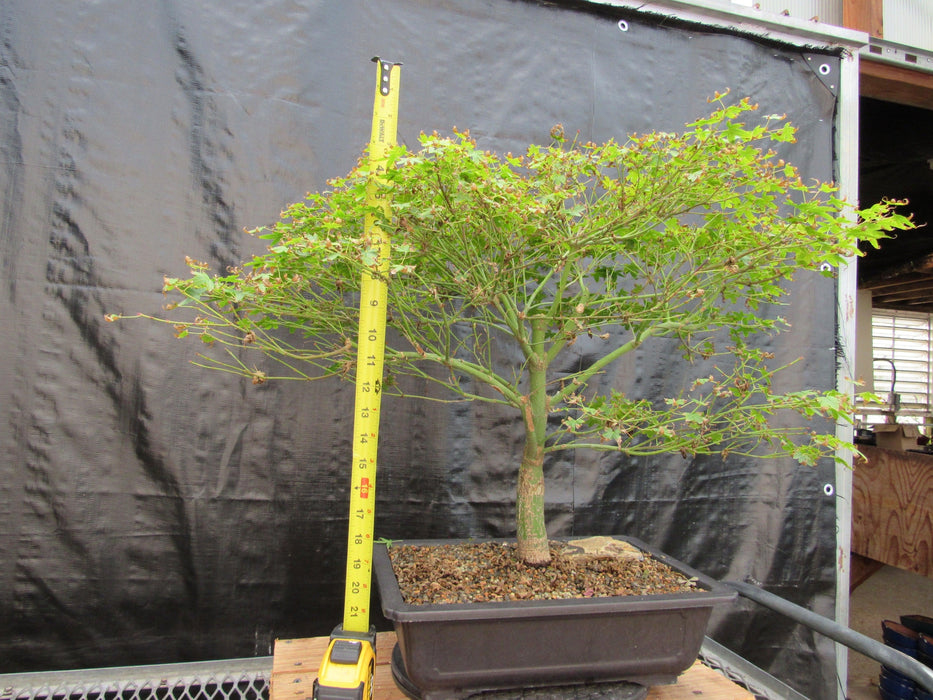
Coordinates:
(295, 662)
(892, 509)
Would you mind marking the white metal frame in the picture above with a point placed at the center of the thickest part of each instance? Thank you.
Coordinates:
(898, 55)
(847, 130)
(749, 20)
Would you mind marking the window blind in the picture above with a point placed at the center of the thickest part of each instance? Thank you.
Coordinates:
(902, 348)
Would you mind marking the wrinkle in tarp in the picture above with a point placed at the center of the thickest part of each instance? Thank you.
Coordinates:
(153, 512)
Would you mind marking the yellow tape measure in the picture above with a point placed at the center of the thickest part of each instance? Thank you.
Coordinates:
(370, 352)
(348, 665)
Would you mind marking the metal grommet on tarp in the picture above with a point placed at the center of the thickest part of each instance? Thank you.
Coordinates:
(826, 69)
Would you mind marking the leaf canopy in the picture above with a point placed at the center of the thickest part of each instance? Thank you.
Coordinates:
(683, 235)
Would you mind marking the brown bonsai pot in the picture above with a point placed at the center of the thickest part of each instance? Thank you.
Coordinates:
(454, 650)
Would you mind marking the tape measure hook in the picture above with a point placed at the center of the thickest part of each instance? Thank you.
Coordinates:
(385, 72)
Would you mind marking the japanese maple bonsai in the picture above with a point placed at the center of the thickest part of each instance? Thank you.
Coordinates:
(681, 235)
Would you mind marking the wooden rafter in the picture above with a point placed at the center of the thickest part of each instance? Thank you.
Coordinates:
(891, 83)
(896, 274)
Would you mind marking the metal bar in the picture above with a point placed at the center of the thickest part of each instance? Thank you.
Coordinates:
(913, 669)
(847, 167)
(898, 55)
(748, 20)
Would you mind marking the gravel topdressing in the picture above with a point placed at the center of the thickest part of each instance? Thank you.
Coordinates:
(489, 571)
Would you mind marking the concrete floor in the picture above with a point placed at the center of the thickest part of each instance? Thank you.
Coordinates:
(886, 595)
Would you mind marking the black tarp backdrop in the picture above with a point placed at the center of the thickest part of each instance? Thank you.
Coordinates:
(153, 512)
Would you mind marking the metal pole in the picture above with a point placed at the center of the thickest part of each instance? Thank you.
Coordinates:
(847, 145)
(857, 641)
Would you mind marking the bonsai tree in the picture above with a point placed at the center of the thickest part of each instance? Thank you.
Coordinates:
(685, 236)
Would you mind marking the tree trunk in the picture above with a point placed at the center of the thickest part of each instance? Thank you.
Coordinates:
(529, 502)
(530, 527)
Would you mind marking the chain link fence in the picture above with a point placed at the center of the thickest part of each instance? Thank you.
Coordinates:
(237, 679)
(248, 679)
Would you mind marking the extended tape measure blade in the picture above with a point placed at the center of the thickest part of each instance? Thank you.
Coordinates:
(369, 369)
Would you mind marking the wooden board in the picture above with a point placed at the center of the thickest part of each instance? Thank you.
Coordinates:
(865, 15)
(295, 663)
(894, 83)
(861, 569)
(892, 509)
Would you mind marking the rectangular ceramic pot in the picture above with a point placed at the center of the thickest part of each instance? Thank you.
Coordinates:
(452, 648)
